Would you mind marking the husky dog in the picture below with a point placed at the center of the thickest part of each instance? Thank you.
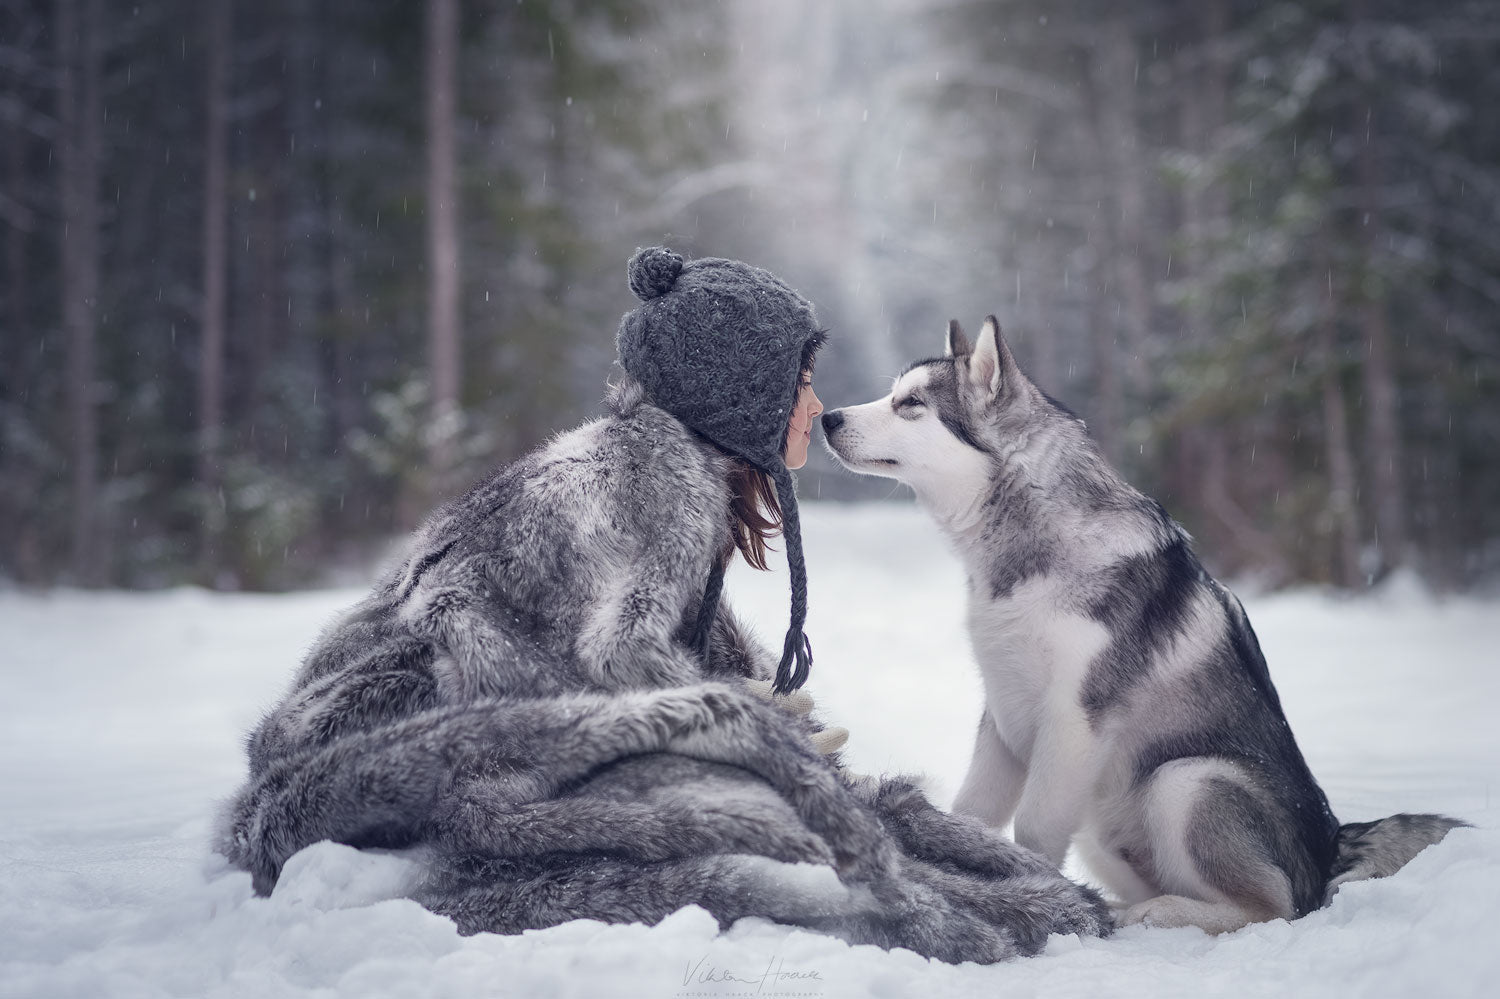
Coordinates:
(1128, 708)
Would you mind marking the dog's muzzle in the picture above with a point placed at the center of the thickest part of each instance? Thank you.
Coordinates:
(832, 420)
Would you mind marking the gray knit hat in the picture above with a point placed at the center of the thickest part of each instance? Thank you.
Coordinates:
(720, 345)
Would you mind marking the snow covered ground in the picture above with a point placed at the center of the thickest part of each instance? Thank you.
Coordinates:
(122, 714)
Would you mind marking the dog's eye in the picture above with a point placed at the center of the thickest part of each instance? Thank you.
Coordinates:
(910, 404)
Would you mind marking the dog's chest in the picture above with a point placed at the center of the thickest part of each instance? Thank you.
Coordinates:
(1033, 656)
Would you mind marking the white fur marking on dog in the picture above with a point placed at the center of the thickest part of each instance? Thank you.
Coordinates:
(1033, 655)
(1034, 659)
(994, 781)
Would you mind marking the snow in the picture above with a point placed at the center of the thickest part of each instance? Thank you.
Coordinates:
(123, 715)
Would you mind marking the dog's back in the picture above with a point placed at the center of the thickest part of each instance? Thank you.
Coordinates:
(1187, 699)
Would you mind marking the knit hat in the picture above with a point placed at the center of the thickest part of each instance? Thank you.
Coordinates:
(720, 345)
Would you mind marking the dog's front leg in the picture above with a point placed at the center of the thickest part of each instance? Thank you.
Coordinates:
(993, 784)
(1059, 780)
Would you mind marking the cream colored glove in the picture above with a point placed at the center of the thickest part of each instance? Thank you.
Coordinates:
(800, 703)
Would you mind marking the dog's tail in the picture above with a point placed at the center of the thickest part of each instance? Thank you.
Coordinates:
(1381, 848)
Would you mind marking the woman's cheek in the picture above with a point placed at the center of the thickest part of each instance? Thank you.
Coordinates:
(796, 449)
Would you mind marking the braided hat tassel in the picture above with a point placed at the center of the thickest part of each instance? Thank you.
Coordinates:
(704, 627)
(796, 655)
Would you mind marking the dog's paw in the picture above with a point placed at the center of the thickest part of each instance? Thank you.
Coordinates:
(1172, 911)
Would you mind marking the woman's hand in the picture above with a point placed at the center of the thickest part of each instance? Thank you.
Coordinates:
(800, 703)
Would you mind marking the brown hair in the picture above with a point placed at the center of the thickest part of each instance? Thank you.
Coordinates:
(754, 510)
(754, 513)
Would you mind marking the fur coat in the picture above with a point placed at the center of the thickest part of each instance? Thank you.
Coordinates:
(520, 697)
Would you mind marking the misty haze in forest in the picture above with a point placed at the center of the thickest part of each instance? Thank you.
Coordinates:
(277, 277)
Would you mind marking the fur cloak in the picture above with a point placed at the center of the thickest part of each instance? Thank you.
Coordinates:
(521, 697)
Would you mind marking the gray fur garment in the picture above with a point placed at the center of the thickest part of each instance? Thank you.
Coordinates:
(520, 697)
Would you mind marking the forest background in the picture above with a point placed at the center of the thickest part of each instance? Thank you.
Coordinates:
(276, 277)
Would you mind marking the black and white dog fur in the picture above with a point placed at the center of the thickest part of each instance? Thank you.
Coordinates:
(1128, 708)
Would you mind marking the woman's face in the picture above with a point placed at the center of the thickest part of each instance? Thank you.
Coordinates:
(799, 430)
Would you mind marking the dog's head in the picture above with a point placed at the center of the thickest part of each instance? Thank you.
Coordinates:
(947, 422)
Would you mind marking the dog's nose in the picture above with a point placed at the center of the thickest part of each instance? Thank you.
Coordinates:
(832, 421)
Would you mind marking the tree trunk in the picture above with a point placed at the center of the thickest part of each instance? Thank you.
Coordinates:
(16, 342)
(1046, 362)
(80, 128)
(1110, 407)
(268, 304)
(15, 258)
(1114, 67)
(1342, 482)
(1203, 109)
(267, 309)
(1382, 395)
(442, 237)
(343, 370)
(1383, 437)
(215, 258)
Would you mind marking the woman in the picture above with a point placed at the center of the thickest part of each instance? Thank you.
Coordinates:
(550, 697)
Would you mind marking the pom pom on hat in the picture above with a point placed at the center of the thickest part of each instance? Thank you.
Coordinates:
(653, 271)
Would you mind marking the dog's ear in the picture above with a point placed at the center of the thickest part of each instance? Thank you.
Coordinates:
(957, 344)
(991, 360)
